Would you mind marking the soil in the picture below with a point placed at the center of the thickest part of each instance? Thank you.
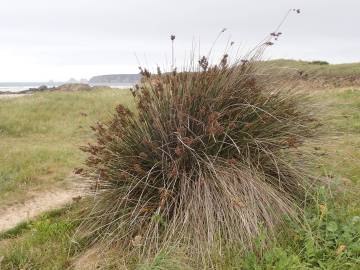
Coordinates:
(40, 202)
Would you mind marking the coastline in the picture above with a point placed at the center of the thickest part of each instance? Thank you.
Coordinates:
(64, 87)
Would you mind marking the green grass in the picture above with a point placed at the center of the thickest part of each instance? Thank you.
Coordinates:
(41, 244)
(329, 238)
(341, 150)
(40, 137)
(351, 69)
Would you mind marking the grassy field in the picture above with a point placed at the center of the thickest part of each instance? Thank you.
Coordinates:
(39, 141)
(40, 137)
(315, 69)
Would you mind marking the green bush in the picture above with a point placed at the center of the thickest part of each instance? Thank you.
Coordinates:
(318, 62)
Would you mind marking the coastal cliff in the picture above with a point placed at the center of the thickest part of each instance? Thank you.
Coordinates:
(116, 78)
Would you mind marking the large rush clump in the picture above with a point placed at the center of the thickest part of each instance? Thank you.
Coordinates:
(211, 155)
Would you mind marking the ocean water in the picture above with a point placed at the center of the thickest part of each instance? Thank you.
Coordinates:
(20, 86)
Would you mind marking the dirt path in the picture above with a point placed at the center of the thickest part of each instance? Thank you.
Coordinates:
(8, 96)
(41, 202)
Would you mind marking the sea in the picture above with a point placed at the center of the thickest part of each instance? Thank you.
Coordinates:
(20, 86)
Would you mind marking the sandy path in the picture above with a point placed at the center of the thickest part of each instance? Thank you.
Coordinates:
(41, 202)
(7, 96)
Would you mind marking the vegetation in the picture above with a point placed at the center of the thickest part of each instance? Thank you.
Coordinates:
(214, 167)
(40, 136)
(41, 244)
(319, 62)
(317, 68)
(199, 164)
(330, 238)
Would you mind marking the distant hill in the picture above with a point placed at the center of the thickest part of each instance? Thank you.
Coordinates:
(317, 68)
(314, 74)
(116, 78)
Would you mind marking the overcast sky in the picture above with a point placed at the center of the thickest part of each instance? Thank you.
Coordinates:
(58, 39)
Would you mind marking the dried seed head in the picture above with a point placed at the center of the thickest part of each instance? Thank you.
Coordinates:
(179, 150)
(173, 172)
(144, 72)
(188, 141)
(275, 34)
(159, 87)
(248, 125)
(137, 168)
(203, 62)
(213, 117)
(232, 125)
(215, 128)
(224, 60)
(144, 210)
(269, 43)
(123, 175)
(133, 93)
(291, 142)
(78, 170)
(122, 111)
(232, 161)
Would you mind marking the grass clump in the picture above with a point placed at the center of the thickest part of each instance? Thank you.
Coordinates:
(207, 161)
(203, 160)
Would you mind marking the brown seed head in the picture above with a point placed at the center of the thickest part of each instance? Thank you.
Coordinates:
(179, 150)
(203, 62)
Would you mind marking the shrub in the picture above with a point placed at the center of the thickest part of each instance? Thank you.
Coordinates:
(209, 159)
(319, 62)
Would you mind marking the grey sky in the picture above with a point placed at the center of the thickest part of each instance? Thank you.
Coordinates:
(43, 39)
